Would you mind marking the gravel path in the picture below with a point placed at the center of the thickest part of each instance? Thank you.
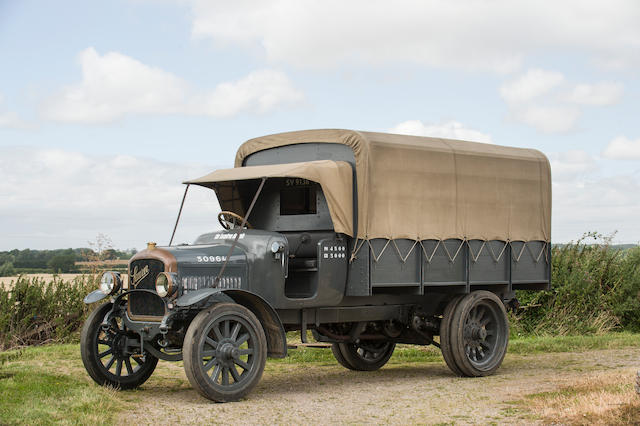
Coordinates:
(398, 394)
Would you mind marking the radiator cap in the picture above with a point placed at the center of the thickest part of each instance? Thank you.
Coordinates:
(151, 246)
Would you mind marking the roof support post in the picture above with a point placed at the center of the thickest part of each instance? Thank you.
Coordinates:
(179, 213)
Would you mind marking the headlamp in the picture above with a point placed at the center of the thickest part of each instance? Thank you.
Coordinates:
(165, 284)
(110, 282)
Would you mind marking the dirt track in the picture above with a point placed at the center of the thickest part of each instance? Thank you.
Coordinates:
(398, 394)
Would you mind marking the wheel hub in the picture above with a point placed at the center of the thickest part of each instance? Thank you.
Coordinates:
(119, 345)
(226, 352)
(478, 333)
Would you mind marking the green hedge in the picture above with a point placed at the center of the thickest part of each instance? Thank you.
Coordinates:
(596, 288)
(34, 311)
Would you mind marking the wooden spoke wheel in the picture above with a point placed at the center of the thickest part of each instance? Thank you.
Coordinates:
(225, 351)
(112, 357)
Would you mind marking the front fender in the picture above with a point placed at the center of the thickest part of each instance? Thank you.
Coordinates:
(94, 296)
(194, 297)
(273, 328)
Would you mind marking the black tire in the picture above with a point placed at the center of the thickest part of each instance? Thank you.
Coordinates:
(117, 370)
(364, 356)
(479, 334)
(240, 342)
(445, 335)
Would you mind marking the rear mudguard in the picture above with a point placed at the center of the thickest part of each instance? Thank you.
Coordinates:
(268, 317)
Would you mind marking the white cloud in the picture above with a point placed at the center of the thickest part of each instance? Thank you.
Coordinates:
(114, 85)
(622, 148)
(529, 99)
(535, 98)
(449, 130)
(260, 91)
(567, 166)
(548, 119)
(9, 119)
(530, 85)
(51, 198)
(494, 36)
(599, 94)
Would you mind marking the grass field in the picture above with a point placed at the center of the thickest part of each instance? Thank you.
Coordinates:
(47, 384)
(7, 281)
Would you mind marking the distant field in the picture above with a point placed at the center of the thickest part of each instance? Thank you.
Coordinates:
(104, 263)
(6, 282)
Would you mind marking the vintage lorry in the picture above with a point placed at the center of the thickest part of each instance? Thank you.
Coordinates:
(366, 239)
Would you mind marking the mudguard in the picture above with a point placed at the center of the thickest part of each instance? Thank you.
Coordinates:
(94, 296)
(199, 295)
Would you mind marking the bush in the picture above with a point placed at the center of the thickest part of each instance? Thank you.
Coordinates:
(7, 270)
(62, 263)
(595, 289)
(35, 311)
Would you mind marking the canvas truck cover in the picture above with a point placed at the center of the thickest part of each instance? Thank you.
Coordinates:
(335, 178)
(430, 188)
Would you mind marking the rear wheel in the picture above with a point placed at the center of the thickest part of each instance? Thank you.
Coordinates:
(479, 334)
(108, 355)
(363, 356)
(225, 351)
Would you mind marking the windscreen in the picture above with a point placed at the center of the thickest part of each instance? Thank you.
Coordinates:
(298, 196)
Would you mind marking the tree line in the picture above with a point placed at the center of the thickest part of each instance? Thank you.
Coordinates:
(61, 260)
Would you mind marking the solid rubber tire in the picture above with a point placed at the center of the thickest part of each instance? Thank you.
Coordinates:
(445, 335)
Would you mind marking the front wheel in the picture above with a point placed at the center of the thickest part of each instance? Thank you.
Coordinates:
(109, 356)
(363, 356)
(225, 351)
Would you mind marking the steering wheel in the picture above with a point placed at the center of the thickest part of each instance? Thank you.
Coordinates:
(230, 220)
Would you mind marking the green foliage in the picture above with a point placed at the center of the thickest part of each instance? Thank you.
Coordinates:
(595, 289)
(39, 261)
(7, 270)
(35, 311)
(62, 263)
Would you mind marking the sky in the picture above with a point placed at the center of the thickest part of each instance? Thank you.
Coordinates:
(106, 107)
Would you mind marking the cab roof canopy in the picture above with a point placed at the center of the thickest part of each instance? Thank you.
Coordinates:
(335, 178)
(430, 188)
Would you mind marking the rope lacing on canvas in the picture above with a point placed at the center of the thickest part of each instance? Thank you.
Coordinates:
(516, 253)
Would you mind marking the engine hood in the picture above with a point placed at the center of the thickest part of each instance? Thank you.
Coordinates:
(212, 249)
